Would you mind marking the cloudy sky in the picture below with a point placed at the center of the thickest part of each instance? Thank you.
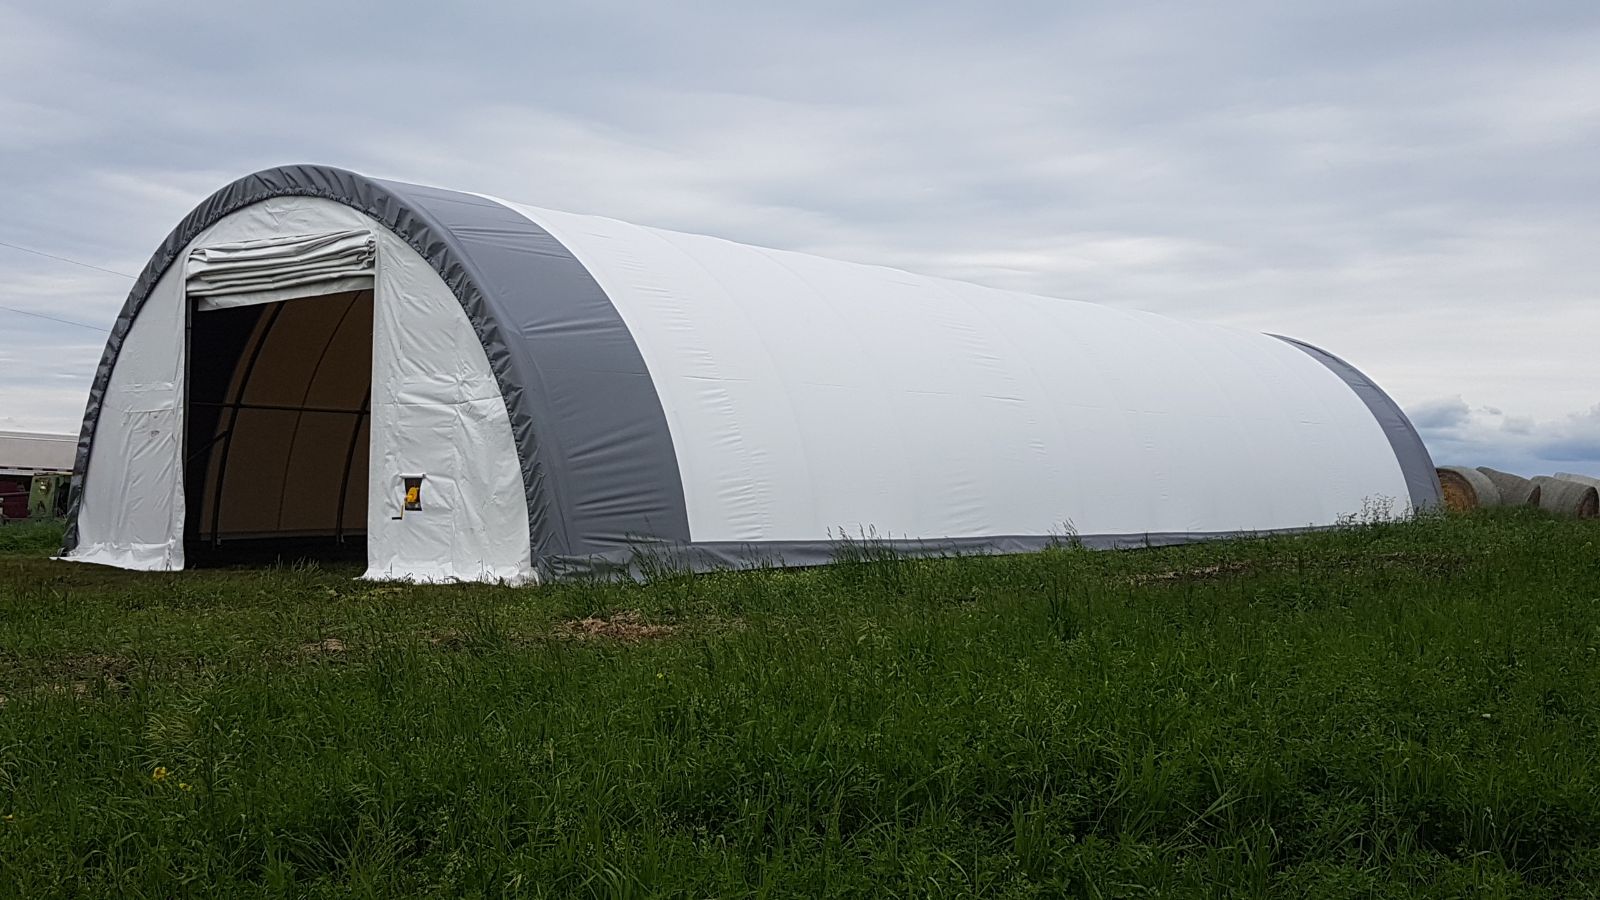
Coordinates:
(1412, 186)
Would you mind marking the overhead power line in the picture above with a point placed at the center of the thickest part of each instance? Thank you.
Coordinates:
(23, 312)
(56, 319)
(65, 260)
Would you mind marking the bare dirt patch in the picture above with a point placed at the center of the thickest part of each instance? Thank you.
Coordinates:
(111, 668)
(627, 626)
(448, 639)
(1426, 563)
(325, 647)
(79, 676)
(1220, 570)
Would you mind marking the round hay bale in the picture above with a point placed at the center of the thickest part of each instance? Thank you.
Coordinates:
(1581, 479)
(1514, 489)
(1467, 489)
(1568, 498)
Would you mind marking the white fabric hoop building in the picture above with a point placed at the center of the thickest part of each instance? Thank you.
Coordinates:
(570, 393)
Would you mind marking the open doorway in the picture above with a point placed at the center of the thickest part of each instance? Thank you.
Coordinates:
(278, 416)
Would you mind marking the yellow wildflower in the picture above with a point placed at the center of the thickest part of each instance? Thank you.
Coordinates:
(183, 785)
(160, 774)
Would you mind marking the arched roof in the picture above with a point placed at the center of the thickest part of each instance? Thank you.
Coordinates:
(699, 393)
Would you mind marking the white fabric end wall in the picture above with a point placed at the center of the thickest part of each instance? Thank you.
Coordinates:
(440, 414)
(130, 514)
(436, 411)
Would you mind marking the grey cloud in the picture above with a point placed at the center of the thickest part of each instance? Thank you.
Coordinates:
(1440, 415)
(1517, 425)
(1577, 439)
(1584, 450)
(1458, 434)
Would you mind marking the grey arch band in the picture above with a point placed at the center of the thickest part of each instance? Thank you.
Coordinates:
(1422, 481)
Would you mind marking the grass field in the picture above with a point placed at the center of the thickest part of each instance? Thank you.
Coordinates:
(1388, 710)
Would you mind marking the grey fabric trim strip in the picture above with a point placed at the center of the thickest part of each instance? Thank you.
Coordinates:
(1422, 480)
(592, 440)
(644, 561)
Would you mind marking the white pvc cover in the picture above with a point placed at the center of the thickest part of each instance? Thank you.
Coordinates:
(436, 411)
(278, 262)
(805, 398)
(808, 397)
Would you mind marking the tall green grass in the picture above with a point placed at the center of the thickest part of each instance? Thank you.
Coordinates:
(30, 536)
(1388, 710)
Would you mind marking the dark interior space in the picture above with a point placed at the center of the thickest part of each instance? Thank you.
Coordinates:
(275, 465)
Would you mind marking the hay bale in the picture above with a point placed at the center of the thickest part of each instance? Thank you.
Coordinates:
(1514, 489)
(1568, 498)
(1467, 488)
(1581, 479)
